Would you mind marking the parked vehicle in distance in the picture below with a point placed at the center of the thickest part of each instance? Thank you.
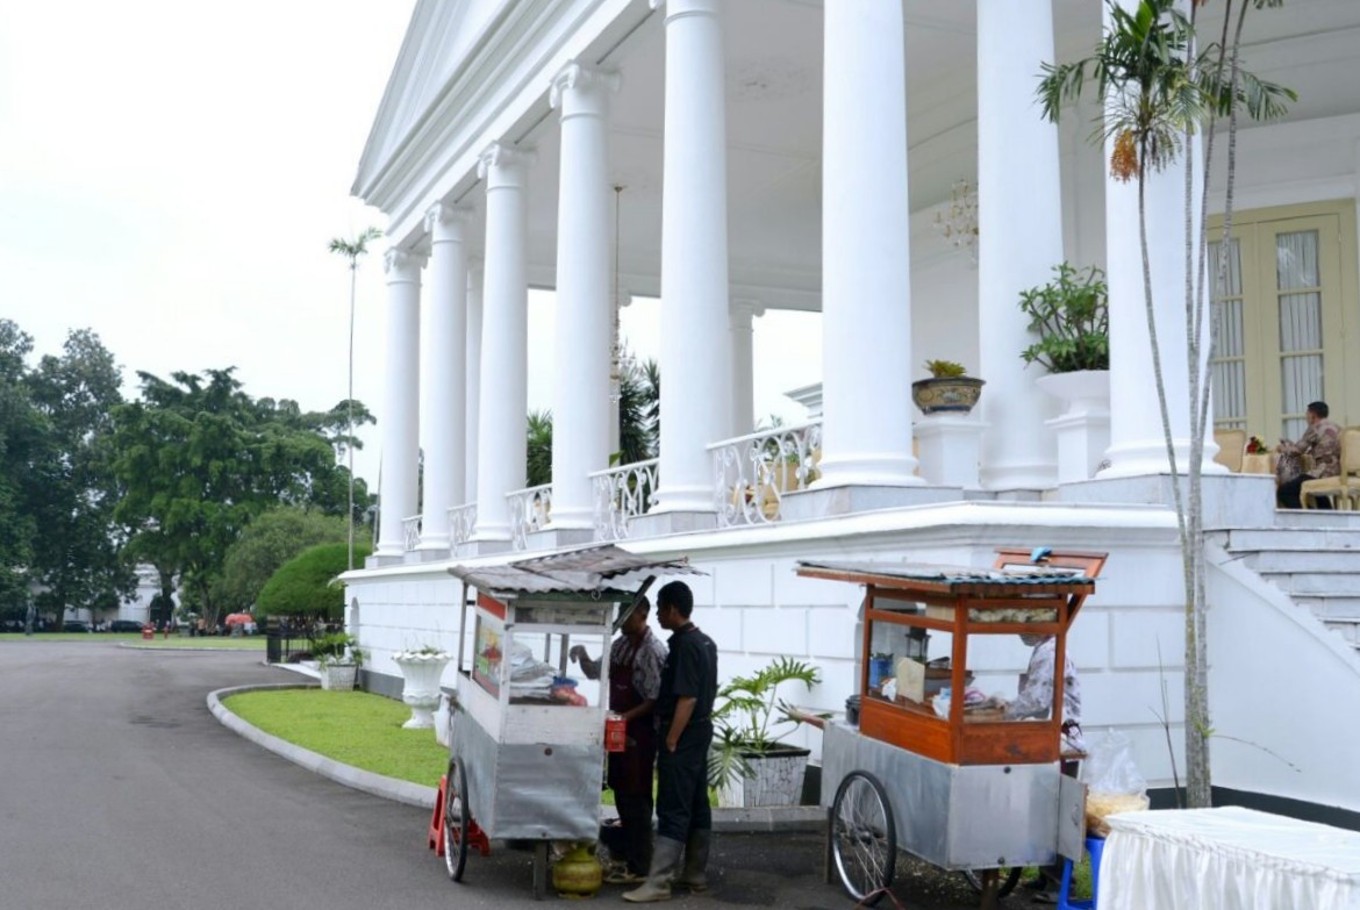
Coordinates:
(75, 625)
(125, 625)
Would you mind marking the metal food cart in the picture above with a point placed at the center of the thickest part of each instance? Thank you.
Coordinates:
(527, 742)
(951, 780)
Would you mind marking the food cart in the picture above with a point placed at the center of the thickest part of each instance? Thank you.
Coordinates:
(945, 776)
(527, 741)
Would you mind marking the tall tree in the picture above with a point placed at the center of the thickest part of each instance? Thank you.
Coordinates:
(352, 250)
(77, 559)
(22, 443)
(266, 544)
(199, 459)
(1160, 89)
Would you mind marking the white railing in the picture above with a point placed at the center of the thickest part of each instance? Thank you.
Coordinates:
(410, 531)
(753, 472)
(622, 494)
(530, 510)
(462, 521)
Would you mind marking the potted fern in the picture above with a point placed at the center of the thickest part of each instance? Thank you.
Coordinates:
(1071, 316)
(948, 390)
(748, 764)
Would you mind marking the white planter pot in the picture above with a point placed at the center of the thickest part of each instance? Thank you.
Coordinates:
(1083, 429)
(777, 780)
(339, 677)
(420, 689)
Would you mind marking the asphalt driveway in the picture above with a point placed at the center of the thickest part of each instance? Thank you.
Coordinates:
(119, 790)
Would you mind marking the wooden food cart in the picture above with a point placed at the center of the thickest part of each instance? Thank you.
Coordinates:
(527, 741)
(950, 778)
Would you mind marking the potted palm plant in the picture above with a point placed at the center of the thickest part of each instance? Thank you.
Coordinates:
(748, 763)
(1071, 316)
(338, 658)
(948, 390)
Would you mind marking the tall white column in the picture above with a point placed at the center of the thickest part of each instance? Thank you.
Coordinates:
(581, 405)
(1137, 442)
(743, 365)
(866, 287)
(401, 402)
(1020, 234)
(505, 332)
(696, 393)
(445, 351)
(474, 375)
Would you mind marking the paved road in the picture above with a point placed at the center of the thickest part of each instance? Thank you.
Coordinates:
(119, 791)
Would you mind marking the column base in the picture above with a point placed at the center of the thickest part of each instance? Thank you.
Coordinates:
(660, 524)
(485, 547)
(1230, 500)
(826, 502)
(379, 560)
(1082, 442)
(951, 449)
(559, 538)
(423, 553)
(1149, 458)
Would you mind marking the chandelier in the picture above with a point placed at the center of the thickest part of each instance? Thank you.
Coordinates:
(958, 221)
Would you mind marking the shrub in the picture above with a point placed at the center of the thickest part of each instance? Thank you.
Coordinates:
(306, 586)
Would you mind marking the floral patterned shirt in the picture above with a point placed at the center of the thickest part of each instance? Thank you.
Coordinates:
(1322, 441)
(1036, 690)
(651, 654)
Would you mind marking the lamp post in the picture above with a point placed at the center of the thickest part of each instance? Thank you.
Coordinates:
(352, 250)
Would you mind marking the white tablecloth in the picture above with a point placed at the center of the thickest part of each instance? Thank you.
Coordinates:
(1226, 859)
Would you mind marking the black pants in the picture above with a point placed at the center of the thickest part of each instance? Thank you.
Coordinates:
(1287, 494)
(682, 784)
(635, 843)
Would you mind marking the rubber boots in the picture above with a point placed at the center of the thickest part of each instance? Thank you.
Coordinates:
(696, 861)
(665, 862)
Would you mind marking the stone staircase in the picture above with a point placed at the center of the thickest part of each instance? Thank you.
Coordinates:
(1314, 557)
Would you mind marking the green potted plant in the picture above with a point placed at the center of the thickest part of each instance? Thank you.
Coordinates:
(948, 390)
(1071, 316)
(338, 658)
(748, 763)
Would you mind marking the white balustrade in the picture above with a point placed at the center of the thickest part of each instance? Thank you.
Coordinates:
(410, 532)
(753, 472)
(530, 510)
(622, 494)
(462, 519)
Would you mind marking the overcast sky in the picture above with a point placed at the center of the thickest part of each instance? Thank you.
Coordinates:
(170, 176)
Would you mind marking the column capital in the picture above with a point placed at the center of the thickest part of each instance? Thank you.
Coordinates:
(502, 164)
(446, 223)
(589, 83)
(744, 309)
(402, 265)
(677, 8)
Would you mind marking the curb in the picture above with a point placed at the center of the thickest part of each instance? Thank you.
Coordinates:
(761, 819)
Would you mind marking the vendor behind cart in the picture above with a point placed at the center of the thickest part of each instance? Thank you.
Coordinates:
(635, 661)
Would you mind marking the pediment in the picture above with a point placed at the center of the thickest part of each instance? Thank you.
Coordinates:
(437, 41)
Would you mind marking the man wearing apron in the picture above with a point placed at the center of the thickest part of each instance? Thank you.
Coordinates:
(635, 661)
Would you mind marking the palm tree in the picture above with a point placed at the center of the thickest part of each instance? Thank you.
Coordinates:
(1159, 90)
(538, 449)
(352, 250)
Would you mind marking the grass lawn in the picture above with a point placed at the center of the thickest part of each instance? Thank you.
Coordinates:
(209, 643)
(356, 728)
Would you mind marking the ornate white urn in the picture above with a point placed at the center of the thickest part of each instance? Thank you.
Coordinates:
(421, 671)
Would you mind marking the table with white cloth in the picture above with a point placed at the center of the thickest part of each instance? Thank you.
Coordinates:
(1226, 859)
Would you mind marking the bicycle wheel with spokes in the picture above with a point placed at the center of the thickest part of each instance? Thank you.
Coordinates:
(863, 840)
(456, 818)
(1010, 877)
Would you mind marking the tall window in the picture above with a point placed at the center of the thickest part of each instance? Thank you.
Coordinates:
(1285, 322)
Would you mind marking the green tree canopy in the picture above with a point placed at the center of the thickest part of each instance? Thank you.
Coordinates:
(266, 544)
(306, 586)
(22, 444)
(199, 459)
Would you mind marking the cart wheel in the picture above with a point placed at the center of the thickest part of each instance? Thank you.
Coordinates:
(457, 815)
(863, 840)
(1009, 875)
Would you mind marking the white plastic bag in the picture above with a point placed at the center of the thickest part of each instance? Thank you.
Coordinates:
(1113, 780)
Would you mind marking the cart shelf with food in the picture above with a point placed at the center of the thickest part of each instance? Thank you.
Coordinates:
(934, 765)
(527, 741)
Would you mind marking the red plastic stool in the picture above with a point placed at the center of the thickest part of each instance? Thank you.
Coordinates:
(1095, 846)
(434, 835)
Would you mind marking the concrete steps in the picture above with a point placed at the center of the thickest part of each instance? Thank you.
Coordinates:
(1314, 557)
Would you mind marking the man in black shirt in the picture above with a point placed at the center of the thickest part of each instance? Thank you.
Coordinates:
(689, 682)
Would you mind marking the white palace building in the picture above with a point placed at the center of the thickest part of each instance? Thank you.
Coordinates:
(802, 154)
